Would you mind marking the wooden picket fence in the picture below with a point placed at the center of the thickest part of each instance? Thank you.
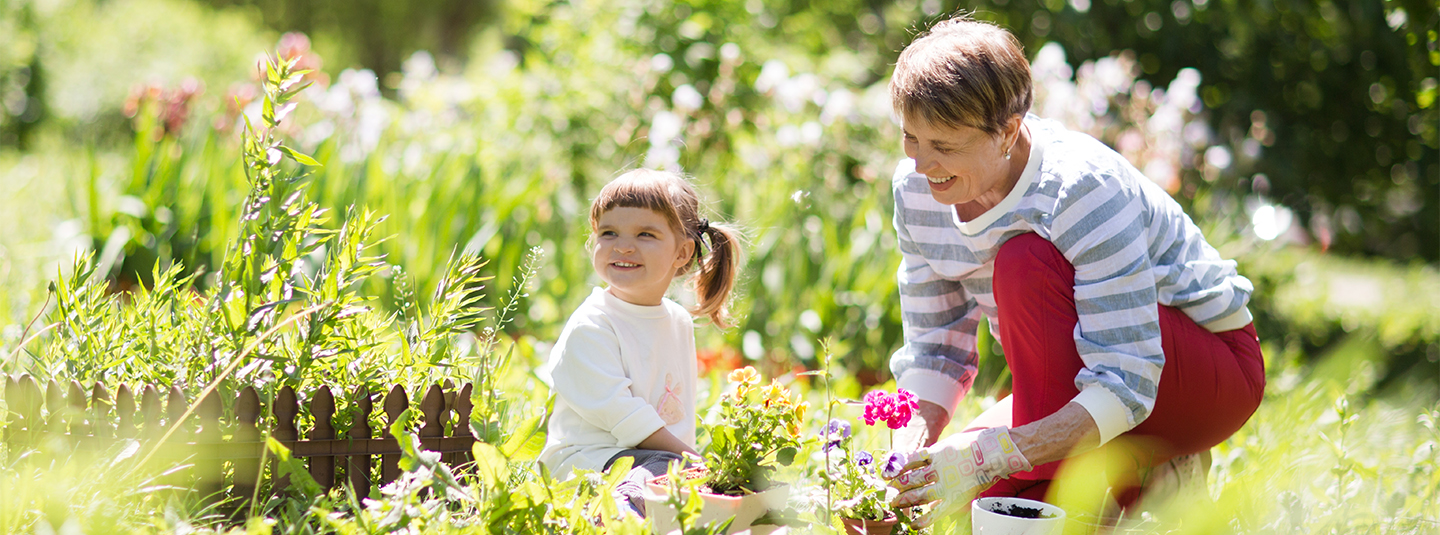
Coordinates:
(71, 417)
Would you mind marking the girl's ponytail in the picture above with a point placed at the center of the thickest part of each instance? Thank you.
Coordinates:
(716, 278)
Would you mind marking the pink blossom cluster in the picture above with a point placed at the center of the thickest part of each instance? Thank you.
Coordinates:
(893, 409)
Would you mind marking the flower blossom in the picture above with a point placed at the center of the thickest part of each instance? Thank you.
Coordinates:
(746, 375)
(864, 459)
(894, 463)
(835, 431)
(895, 410)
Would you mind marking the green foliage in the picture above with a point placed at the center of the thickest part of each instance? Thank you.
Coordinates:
(755, 430)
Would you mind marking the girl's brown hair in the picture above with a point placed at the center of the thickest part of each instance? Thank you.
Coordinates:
(671, 196)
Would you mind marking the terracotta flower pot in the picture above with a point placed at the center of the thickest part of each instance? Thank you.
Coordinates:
(744, 509)
(865, 526)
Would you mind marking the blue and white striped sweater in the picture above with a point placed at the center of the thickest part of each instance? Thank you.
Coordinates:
(1132, 247)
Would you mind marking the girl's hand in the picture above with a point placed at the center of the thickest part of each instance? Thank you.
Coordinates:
(954, 470)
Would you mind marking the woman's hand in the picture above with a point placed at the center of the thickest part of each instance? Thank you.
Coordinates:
(924, 428)
(954, 470)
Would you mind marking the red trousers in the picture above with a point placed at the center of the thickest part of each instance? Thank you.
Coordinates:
(1209, 386)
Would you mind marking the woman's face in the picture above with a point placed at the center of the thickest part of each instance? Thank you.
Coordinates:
(963, 164)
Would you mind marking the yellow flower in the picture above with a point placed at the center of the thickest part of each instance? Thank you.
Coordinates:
(793, 429)
(800, 409)
(745, 376)
(776, 394)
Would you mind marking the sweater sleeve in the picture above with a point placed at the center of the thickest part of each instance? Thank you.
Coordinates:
(590, 377)
(1100, 227)
(938, 361)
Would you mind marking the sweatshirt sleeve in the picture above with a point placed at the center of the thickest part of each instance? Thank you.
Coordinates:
(590, 377)
(1100, 229)
(939, 360)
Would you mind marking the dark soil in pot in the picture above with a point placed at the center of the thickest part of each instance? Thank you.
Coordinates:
(1019, 511)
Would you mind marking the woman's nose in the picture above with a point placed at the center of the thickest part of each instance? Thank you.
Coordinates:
(923, 162)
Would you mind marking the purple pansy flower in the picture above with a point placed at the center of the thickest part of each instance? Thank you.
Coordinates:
(836, 431)
(894, 463)
(864, 459)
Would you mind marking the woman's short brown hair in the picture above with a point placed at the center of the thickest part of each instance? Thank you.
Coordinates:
(963, 72)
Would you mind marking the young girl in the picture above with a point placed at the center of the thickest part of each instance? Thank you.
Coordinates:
(624, 368)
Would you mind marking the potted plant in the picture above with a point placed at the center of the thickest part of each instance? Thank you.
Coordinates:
(857, 491)
(757, 429)
(854, 488)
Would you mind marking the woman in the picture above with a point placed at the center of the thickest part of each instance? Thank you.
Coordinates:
(1121, 326)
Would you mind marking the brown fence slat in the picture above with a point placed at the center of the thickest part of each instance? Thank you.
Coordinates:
(101, 425)
(77, 424)
(150, 412)
(358, 466)
(208, 413)
(247, 429)
(322, 409)
(395, 403)
(24, 401)
(125, 413)
(464, 407)
(55, 406)
(284, 409)
(433, 411)
(175, 405)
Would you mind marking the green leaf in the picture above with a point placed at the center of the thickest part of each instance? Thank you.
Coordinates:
(521, 437)
(295, 468)
(298, 156)
(786, 456)
(490, 464)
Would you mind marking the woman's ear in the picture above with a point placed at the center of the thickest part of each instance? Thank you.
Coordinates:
(1012, 128)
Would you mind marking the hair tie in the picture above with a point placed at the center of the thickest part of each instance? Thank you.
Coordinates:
(704, 225)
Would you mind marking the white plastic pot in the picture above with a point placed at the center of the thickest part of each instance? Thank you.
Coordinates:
(985, 520)
(745, 509)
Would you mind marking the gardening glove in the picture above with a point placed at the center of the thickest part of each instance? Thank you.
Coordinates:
(954, 470)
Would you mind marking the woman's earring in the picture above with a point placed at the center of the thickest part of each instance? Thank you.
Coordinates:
(1007, 155)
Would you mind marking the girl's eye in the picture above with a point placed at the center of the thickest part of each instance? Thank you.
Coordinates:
(647, 234)
(607, 233)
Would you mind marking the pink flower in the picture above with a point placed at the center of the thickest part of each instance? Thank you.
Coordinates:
(905, 404)
(895, 410)
(878, 407)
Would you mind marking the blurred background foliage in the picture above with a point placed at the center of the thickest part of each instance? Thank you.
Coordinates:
(1302, 127)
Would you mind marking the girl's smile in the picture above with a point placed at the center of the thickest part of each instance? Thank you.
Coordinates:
(637, 253)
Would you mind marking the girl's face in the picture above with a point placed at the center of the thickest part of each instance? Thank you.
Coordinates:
(637, 253)
(963, 164)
